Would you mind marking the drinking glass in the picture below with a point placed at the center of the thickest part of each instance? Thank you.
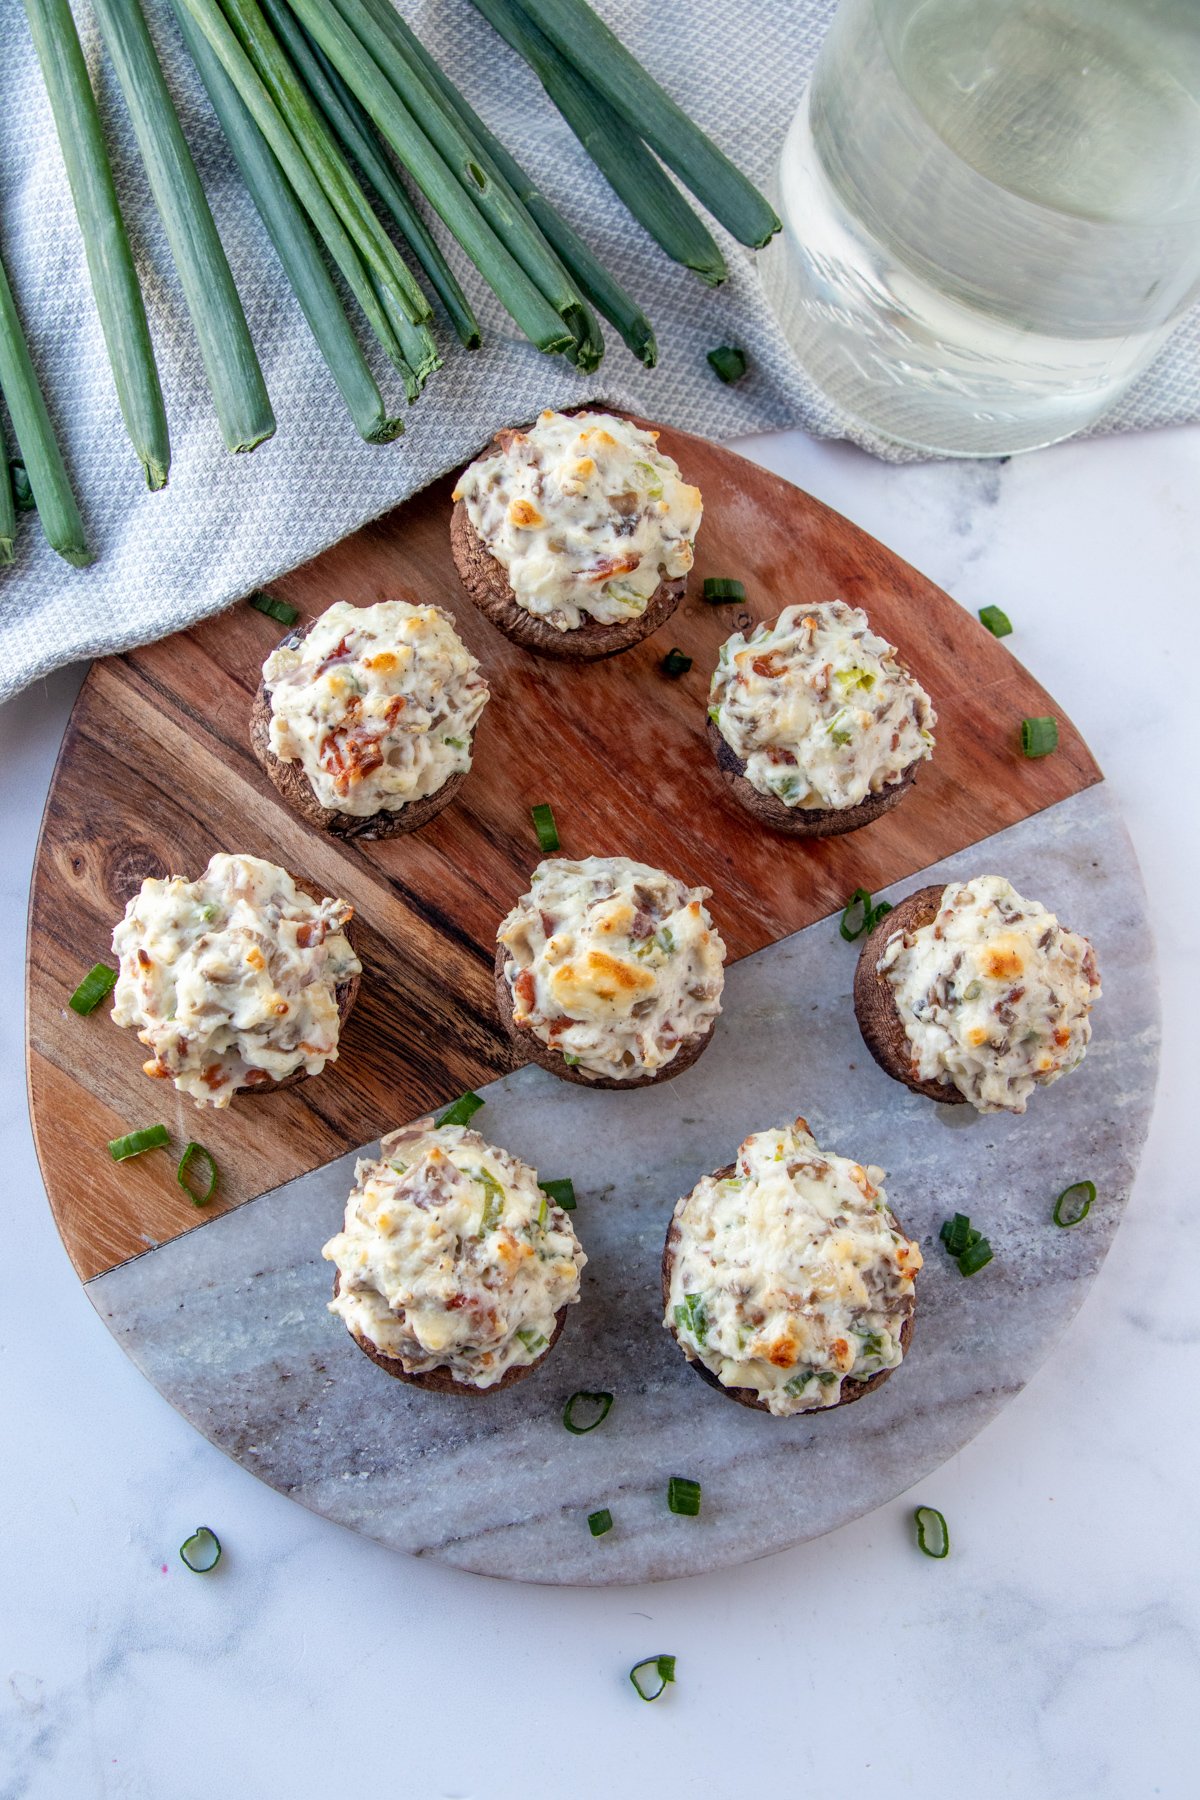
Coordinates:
(991, 212)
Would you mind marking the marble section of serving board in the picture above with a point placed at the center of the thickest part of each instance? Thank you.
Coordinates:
(230, 1321)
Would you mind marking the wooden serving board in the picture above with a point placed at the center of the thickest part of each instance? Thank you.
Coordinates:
(155, 774)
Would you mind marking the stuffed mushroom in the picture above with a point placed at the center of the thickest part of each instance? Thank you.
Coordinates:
(454, 1268)
(363, 720)
(816, 725)
(241, 979)
(786, 1280)
(971, 993)
(575, 536)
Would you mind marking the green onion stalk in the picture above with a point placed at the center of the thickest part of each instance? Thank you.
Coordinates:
(407, 309)
(451, 124)
(616, 149)
(234, 376)
(295, 246)
(211, 23)
(8, 507)
(442, 186)
(603, 61)
(44, 466)
(357, 136)
(593, 280)
(110, 262)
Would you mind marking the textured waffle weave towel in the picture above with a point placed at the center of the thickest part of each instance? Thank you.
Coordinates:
(226, 524)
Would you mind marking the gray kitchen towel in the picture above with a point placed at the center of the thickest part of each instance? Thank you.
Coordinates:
(226, 524)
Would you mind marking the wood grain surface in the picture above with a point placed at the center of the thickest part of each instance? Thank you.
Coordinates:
(155, 774)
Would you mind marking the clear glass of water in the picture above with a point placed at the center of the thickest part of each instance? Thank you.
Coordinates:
(991, 211)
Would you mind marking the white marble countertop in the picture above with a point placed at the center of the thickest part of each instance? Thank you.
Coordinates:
(1055, 1653)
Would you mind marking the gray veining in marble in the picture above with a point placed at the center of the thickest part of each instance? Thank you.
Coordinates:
(230, 1324)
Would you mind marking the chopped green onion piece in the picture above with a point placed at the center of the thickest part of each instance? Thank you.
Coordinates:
(153, 1137)
(1039, 736)
(663, 1667)
(274, 609)
(99, 981)
(955, 1234)
(190, 1151)
(532, 1340)
(975, 1257)
(462, 1111)
(600, 1522)
(860, 898)
(571, 1059)
(22, 492)
(602, 1402)
(547, 830)
(561, 1192)
(675, 663)
(683, 1496)
(933, 1533)
(201, 1552)
(728, 363)
(692, 1315)
(718, 589)
(997, 622)
(1080, 1195)
(871, 914)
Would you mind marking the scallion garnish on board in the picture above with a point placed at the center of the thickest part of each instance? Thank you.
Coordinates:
(561, 1192)
(99, 981)
(600, 1403)
(600, 1522)
(151, 1137)
(675, 663)
(969, 1248)
(274, 609)
(1039, 736)
(201, 1552)
(462, 1111)
(728, 363)
(547, 830)
(997, 622)
(683, 1496)
(1074, 1204)
(861, 915)
(193, 1152)
(719, 590)
(663, 1668)
(933, 1533)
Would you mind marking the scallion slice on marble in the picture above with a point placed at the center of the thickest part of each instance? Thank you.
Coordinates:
(933, 1533)
(1074, 1204)
(600, 1522)
(655, 1669)
(462, 1111)
(201, 1552)
(597, 1406)
(683, 1496)
(561, 1192)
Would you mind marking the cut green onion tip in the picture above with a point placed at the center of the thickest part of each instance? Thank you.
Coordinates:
(462, 1111)
(602, 1403)
(1039, 736)
(675, 663)
(718, 588)
(201, 1552)
(547, 830)
(997, 622)
(975, 1257)
(683, 1496)
(1077, 1200)
(191, 1152)
(663, 1668)
(728, 363)
(561, 1192)
(933, 1533)
(99, 981)
(274, 609)
(600, 1522)
(152, 1137)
